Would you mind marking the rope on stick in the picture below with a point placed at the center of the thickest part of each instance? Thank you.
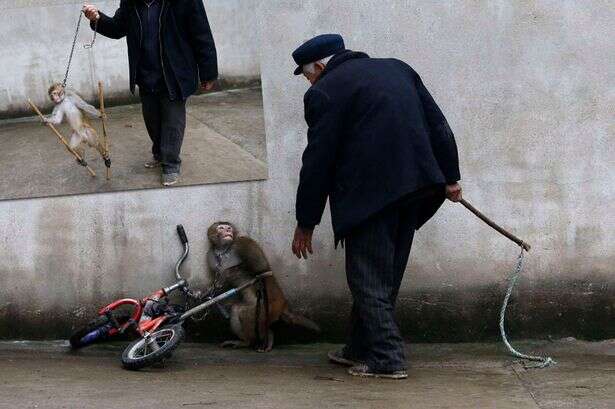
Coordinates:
(543, 362)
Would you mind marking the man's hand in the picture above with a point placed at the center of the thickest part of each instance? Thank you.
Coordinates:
(91, 12)
(453, 192)
(302, 243)
(207, 85)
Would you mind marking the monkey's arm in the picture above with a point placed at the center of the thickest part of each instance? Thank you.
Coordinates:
(252, 256)
(84, 106)
(211, 272)
(115, 27)
(202, 42)
(56, 116)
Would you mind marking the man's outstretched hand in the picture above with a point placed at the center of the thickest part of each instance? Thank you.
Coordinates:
(91, 12)
(302, 243)
(453, 192)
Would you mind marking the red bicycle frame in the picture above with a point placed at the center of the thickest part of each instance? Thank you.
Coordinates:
(141, 326)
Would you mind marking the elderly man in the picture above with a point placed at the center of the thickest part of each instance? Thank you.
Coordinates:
(170, 51)
(381, 150)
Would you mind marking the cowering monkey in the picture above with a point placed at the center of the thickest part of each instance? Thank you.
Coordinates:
(72, 106)
(232, 260)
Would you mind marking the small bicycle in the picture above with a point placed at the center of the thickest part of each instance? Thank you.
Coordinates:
(158, 325)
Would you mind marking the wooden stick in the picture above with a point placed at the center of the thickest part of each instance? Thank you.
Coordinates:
(61, 138)
(498, 228)
(101, 98)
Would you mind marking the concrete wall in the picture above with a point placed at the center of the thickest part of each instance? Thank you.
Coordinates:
(527, 87)
(37, 36)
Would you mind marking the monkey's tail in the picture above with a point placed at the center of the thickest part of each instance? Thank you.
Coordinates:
(292, 318)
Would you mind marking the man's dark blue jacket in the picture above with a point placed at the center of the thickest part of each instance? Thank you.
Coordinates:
(188, 49)
(375, 137)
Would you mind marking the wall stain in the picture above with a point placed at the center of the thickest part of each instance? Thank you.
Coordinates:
(546, 309)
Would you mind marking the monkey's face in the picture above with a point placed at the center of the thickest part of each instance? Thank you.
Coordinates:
(56, 95)
(222, 234)
(225, 234)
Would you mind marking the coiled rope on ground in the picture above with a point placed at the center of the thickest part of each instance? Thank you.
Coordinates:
(543, 362)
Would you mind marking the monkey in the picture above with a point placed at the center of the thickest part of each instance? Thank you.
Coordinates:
(232, 260)
(72, 106)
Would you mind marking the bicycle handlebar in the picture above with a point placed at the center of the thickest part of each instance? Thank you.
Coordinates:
(182, 234)
(184, 239)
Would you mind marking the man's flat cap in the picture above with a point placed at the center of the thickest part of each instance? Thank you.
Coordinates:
(316, 49)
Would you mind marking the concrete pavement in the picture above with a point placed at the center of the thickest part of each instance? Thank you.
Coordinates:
(459, 376)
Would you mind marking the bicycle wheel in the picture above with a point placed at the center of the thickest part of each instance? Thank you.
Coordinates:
(154, 348)
(94, 331)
